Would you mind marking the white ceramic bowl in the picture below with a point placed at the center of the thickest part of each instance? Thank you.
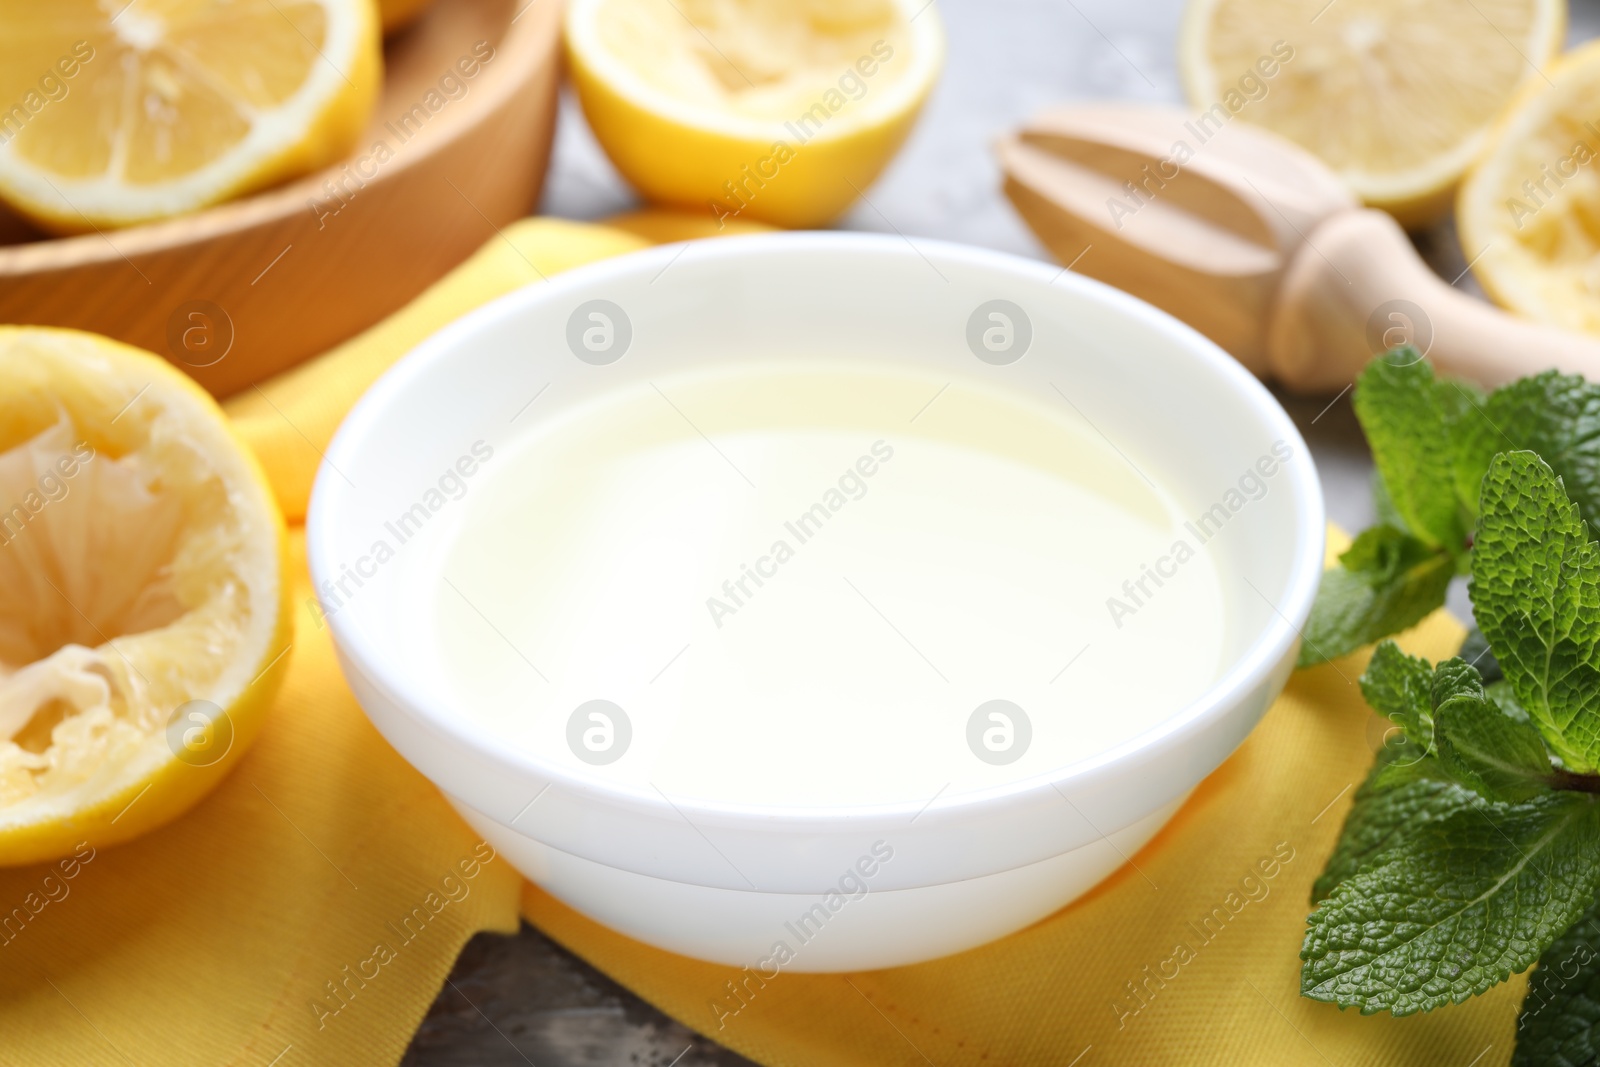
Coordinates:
(725, 881)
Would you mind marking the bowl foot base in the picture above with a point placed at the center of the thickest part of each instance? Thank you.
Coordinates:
(798, 932)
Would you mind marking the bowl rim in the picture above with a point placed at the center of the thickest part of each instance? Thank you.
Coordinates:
(1248, 672)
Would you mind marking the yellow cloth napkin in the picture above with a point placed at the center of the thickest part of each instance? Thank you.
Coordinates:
(214, 940)
(309, 910)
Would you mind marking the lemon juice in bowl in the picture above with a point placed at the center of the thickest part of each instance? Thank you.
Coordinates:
(799, 585)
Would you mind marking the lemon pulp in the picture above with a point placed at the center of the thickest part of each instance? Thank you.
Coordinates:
(755, 58)
(141, 557)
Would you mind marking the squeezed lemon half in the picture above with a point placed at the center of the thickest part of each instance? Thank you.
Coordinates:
(1529, 212)
(1396, 97)
(780, 111)
(145, 622)
(115, 112)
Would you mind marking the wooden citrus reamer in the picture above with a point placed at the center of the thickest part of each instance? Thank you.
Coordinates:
(1259, 246)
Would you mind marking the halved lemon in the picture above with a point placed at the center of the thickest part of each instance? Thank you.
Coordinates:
(145, 624)
(1529, 211)
(774, 110)
(114, 112)
(1396, 97)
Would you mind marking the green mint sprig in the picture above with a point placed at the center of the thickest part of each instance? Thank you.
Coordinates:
(1472, 850)
(1432, 441)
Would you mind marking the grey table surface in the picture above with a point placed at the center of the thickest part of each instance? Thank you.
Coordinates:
(524, 999)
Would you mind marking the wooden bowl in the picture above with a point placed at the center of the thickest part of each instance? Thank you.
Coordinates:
(240, 291)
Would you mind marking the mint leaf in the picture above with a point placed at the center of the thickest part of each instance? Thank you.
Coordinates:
(1383, 504)
(1402, 793)
(1555, 415)
(1445, 711)
(1355, 608)
(1536, 594)
(1454, 906)
(1560, 1021)
(1500, 692)
(1455, 679)
(1498, 756)
(1401, 687)
(1408, 428)
(1383, 553)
